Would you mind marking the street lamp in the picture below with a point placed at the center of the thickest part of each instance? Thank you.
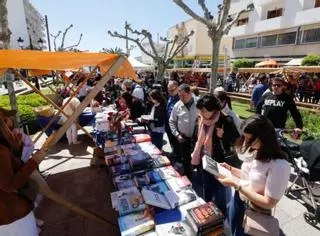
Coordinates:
(20, 42)
(40, 42)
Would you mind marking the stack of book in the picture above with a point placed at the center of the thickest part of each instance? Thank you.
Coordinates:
(205, 218)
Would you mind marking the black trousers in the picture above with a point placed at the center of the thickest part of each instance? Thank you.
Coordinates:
(184, 152)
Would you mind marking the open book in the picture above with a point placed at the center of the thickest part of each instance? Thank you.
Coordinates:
(216, 169)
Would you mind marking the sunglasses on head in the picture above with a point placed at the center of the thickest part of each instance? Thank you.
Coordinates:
(277, 85)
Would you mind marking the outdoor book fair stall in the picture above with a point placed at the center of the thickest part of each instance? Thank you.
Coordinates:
(149, 195)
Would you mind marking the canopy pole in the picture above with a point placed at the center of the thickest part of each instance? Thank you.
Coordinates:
(57, 135)
(51, 102)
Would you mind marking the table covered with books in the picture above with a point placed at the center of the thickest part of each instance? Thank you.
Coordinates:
(150, 197)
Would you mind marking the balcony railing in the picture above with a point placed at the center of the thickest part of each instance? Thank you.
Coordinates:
(238, 30)
(308, 16)
(268, 24)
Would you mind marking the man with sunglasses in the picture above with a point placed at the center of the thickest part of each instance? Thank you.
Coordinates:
(275, 105)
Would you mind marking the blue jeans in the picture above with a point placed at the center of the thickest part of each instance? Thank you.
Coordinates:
(236, 210)
(157, 139)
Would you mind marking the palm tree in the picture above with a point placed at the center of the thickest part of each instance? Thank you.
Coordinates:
(5, 33)
(115, 50)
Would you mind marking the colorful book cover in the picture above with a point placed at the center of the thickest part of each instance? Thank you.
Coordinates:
(129, 146)
(132, 152)
(183, 208)
(149, 148)
(205, 216)
(174, 228)
(160, 161)
(123, 181)
(127, 201)
(140, 181)
(120, 169)
(155, 199)
(117, 159)
(153, 177)
(160, 187)
(141, 138)
(175, 184)
(136, 223)
(167, 172)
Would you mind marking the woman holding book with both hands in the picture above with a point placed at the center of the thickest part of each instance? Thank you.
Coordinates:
(266, 171)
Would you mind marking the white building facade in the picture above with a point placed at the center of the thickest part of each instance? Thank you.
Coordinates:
(25, 22)
(278, 29)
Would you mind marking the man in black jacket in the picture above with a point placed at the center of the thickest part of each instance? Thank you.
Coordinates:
(275, 105)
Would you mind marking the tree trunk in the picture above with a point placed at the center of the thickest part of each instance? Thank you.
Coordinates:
(12, 96)
(214, 62)
(160, 74)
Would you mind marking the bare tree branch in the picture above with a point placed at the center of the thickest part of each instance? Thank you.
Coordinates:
(55, 39)
(117, 35)
(184, 43)
(64, 35)
(173, 44)
(206, 12)
(228, 26)
(191, 13)
(75, 45)
(223, 21)
(220, 7)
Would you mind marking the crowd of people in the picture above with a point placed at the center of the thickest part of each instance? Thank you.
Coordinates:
(195, 126)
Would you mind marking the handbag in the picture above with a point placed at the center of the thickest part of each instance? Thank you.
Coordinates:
(259, 224)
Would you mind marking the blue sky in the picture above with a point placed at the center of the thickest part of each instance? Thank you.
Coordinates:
(95, 17)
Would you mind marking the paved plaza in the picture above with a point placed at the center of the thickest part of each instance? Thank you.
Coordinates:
(89, 187)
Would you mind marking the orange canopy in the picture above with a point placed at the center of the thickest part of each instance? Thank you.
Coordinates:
(268, 63)
(47, 61)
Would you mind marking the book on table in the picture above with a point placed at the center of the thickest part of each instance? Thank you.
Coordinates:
(205, 218)
(141, 138)
(138, 129)
(160, 161)
(136, 223)
(183, 208)
(116, 159)
(167, 172)
(153, 177)
(120, 169)
(178, 183)
(149, 148)
(174, 228)
(123, 181)
(160, 187)
(169, 199)
(127, 201)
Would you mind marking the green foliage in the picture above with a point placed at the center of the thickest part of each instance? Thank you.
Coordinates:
(26, 104)
(242, 63)
(311, 60)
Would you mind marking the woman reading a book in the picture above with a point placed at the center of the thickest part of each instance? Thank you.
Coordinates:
(264, 170)
(215, 135)
(16, 216)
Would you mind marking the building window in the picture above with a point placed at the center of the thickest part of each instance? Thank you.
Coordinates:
(268, 41)
(246, 43)
(287, 38)
(275, 13)
(240, 43)
(317, 3)
(243, 21)
(310, 36)
(251, 42)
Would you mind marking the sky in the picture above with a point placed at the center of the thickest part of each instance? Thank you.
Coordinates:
(95, 17)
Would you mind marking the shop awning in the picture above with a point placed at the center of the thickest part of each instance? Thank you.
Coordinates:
(294, 62)
(42, 61)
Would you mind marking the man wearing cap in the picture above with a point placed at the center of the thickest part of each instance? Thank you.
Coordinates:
(276, 104)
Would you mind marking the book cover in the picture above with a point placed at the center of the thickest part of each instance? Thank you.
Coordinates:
(140, 181)
(149, 148)
(183, 196)
(132, 152)
(160, 187)
(155, 199)
(174, 228)
(167, 172)
(160, 161)
(120, 169)
(127, 201)
(205, 216)
(138, 129)
(129, 146)
(153, 177)
(136, 223)
(117, 159)
(178, 183)
(183, 208)
(140, 138)
(123, 181)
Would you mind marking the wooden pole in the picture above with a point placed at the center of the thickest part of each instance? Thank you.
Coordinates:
(51, 102)
(57, 135)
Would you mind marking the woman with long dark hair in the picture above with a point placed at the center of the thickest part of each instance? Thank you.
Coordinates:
(265, 170)
(16, 216)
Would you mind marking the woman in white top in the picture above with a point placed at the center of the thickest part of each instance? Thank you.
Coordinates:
(266, 172)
